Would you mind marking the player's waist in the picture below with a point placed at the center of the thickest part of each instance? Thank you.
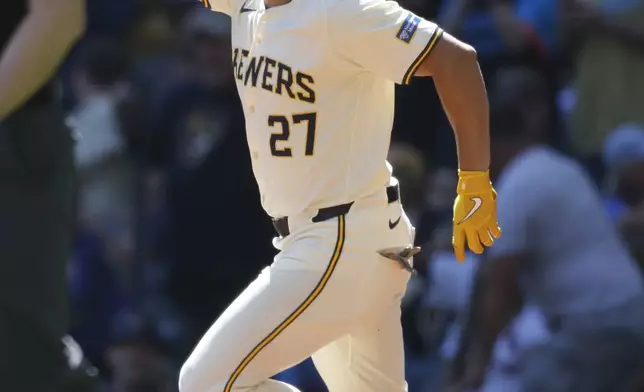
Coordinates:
(287, 225)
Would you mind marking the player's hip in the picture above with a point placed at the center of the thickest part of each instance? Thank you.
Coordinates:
(342, 253)
(347, 236)
(381, 212)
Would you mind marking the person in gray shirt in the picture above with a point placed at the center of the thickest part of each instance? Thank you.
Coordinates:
(559, 250)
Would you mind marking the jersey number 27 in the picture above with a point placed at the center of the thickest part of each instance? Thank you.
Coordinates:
(309, 119)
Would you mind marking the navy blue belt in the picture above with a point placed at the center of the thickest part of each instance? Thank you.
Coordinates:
(282, 227)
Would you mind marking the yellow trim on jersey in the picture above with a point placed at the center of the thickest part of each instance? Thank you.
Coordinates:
(206, 3)
(337, 252)
(438, 33)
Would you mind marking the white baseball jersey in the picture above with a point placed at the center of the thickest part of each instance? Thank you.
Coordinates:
(316, 79)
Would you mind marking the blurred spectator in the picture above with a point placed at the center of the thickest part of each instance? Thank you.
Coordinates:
(153, 31)
(154, 71)
(623, 155)
(603, 361)
(578, 273)
(530, 90)
(440, 195)
(609, 70)
(449, 288)
(112, 17)
(445, 302)
(422, 323)
(632, 228)
(136, 357)
(96, 297)
(409, 166)
(105, 170)
(503, 32)
(526, 333)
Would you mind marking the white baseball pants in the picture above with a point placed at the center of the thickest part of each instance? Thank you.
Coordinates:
(328, 295)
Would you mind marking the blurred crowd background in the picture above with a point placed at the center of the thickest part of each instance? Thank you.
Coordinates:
(170, 227)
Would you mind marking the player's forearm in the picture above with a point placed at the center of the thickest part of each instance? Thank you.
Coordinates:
(36, 50)
(460, 86)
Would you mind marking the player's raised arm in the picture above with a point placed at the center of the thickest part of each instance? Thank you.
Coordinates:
(38, 46)
(381, 37)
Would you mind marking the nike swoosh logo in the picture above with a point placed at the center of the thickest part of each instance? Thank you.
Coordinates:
(392, 225)
(477, 204)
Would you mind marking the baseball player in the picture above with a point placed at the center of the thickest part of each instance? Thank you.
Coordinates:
(316, 80)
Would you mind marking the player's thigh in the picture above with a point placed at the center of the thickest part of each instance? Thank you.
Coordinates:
(369, 359)
(277, 322)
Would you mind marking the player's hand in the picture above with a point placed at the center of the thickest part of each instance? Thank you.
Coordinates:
(474, 213)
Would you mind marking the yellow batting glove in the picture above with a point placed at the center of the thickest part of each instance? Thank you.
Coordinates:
(474, 213)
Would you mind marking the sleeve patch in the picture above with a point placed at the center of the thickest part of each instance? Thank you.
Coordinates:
(408, 28)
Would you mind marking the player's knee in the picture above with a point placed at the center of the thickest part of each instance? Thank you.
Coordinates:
(194, 378)
(190, 379)
(186, 383)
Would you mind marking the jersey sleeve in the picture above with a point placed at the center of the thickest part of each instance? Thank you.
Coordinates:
(381, 36)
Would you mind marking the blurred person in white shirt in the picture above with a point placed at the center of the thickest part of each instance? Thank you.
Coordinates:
(559, 251)
(623, 155)
(450, 290)
(101, 153)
